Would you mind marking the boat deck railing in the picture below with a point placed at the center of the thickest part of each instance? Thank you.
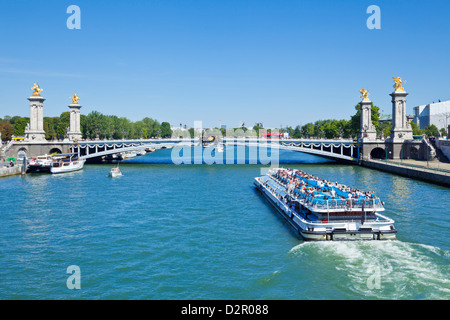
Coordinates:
(334, 204)
(338, 221)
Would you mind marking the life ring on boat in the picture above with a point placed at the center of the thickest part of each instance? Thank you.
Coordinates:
(324, 220)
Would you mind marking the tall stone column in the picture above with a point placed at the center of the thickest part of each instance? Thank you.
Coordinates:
(367, 131)
(35, 128)
(74, 126)
(401, 129)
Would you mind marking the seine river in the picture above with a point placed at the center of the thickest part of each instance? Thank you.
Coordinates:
(165, 231)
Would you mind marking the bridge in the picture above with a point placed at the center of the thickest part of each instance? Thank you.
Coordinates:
(401, 144)
(339, 150)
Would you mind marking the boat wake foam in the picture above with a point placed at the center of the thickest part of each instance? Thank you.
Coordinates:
(384, 270)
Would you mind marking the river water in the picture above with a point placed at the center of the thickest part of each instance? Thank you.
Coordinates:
(165, 231)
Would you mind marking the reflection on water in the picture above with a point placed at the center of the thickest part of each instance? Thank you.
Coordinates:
(231, 155)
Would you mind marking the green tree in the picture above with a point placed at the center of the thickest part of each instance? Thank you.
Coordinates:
(331, 129)
(63, 125)
(431, 130)
(14, 119)
(308, 130)
(166, 131)
(124, 128)
(257, 128)
(386, 128)
(96, 125)
(50, 127)
(191, 132)
(153, 127)
(6, 130)
(20, 125)
(416, 130)
(83, 125)
(344, 128)
(297, 133)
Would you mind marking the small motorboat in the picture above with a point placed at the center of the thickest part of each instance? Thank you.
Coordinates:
(115, 172)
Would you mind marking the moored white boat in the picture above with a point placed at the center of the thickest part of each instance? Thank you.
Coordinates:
(321, 210)
(40, 164)
(129, 155)
(113, 157)
(66, 163)
(141, 152)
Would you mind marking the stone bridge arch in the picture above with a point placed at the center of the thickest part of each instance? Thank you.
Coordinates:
(378, 153)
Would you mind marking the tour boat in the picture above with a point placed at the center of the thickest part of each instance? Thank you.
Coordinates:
(40, 164)
(66, 163)
(321, 210)
(115, 172)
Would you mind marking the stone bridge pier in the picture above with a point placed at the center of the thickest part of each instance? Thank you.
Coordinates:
(401, 143)
(410, 149)
(34, 149)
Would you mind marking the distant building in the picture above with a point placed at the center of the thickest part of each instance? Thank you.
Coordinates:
(385, 117)
(179, 128)
(388, 118)
(274, 135)
(434, 113)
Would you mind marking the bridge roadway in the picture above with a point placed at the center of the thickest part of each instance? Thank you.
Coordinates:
(340, 150)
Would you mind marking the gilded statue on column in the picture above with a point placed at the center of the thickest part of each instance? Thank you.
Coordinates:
(398, 84)
(75, 99)
(364, 94)
(36, 90)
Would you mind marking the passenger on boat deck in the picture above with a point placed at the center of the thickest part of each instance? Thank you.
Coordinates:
(292, 176)
(333, 193)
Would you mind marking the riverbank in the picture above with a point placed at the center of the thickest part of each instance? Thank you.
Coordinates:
(5, 172)
(434, 172)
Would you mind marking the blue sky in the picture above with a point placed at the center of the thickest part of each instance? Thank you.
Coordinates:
(277, 62)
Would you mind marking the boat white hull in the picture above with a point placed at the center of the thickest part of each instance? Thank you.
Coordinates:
(38, 168)
(115, 174)
(68, 167)
(330, 231)
(129, 155)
